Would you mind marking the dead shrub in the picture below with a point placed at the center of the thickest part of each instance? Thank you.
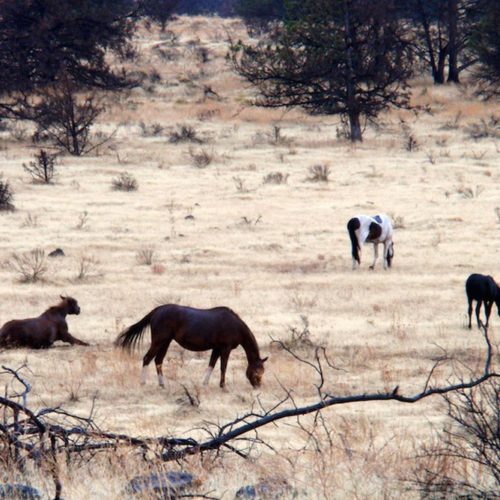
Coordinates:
(145, 256)
(276, 138)
(6, 196)
(31, 266)
(185, 133)
(299, 338)
(152, 130)
(201, 158)
(275, 178)
(470, 192)
(484, 128)
(87, 267)
(319, 173)
(125, 182)
(398, 222)
(42, 170)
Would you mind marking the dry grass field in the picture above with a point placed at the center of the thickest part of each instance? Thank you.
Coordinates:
(273, 252)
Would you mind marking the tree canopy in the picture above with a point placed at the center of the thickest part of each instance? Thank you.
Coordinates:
(345, 57)
(42, 41)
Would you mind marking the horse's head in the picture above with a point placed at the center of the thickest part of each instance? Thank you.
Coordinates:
(70, 304)
(255, 371)
(390, 253)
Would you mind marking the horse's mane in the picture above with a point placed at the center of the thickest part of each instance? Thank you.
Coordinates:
(57, 308)
(249, 342)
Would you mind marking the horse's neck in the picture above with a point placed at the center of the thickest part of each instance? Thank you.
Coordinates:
(250, 346)
(56, 311)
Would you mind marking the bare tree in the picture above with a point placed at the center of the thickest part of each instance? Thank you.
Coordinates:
(65, 116)
(41, 170)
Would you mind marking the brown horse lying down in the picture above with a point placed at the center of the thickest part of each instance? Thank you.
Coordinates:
(43, 331)
(219, 329)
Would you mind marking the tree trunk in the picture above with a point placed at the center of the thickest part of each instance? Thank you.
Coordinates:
(438, 70)
(354, 122)
(452, 42)
(350, 83)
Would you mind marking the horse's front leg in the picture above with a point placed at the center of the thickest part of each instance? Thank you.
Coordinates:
(478, 312)
(223, 365)
(67, 337)
(487, 308)
(211, 364)
(375, 255)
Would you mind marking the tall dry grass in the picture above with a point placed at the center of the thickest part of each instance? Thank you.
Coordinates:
(274, 252)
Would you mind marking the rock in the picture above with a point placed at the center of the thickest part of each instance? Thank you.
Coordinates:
(58, 252)
(19, 492)
(166, 484)
(271, 489)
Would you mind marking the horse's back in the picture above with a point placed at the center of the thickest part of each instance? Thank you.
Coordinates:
(30, 332)
(481, 287)
(199, 329)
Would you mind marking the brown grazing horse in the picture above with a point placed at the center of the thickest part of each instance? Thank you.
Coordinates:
(219, 329)
(43, 331)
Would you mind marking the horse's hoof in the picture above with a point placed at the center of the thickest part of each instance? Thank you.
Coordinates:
(372, 267)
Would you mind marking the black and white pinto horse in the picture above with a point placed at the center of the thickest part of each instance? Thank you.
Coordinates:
(365, 229)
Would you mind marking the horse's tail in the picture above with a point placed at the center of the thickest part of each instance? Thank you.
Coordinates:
(132, 335)
(352, 225)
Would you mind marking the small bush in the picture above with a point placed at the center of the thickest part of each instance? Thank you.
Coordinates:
(276, 138)
(275, 178)
(463, 460)
(319, 173)
(41, 170)
(201, 158)
(145, 256)
(83, 219)
(410, 141)
(6, 196)
(186, 133)
(31, 266)
(125, 182)
(65, 118)
(87, 267)
(300, 337)
(153, 130)
(485, 128)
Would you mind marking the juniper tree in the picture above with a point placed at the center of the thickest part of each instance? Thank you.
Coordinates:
(332, 57)
(40, 40)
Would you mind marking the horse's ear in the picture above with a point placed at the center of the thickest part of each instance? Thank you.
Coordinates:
(265, 359)
(62, 297)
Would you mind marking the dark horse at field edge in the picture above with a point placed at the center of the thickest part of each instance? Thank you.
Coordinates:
(41, 332)
(219, 329)
(482, 289)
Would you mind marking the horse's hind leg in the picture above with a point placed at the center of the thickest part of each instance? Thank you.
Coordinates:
(160, 355)
(211, 364)
(375, 255)
(470, 313)
(478, 311)
(145, 362)
(152, 352)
